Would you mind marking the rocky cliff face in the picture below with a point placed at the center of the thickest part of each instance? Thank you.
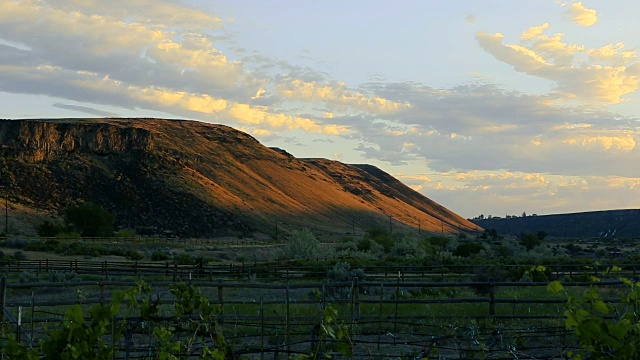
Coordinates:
(188, 178)
(36, 141)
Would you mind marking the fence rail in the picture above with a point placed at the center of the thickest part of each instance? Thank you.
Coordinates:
(461, 319)
(278, 270)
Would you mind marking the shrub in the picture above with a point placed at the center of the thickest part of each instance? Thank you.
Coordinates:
(468, 249)
(604, 331)
(408, 248)
(49, 229)
(43, 246)
(342, 272)
(126, 233)
(382, 237)
(28, 277)
(134, 255)
(62, 276)
(68, 235)
(439, 241)
(530, 241)
(15, 244)
(160, 255)
(301, 244)
(90, 220)
(19, 255)
(185, 259)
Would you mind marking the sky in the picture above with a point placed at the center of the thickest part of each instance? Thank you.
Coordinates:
(488, 107)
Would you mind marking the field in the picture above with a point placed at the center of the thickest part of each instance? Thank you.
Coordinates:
(301, 308)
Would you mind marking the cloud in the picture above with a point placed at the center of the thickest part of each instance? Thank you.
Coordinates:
(168, 13)
(337, 97)
(581, 15)
(470, 19)
(611, 76)
(85, 109)
(481, 192)
(158, 55)
(481, 126)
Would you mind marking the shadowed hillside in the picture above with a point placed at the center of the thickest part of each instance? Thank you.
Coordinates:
(595, 224)
(188, 178)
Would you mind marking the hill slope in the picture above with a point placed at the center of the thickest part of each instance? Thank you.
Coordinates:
(594, 224)
(189, 178)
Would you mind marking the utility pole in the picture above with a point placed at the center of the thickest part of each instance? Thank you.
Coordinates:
(419, 226)
(353, 226)
(390, 228)
(276, 231)
(6, 210)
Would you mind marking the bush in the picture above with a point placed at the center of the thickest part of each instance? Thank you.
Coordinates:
(90, 220)
(468, 249)
(134, 255)
(49, 229)
(382, 237)
(342, 272)
(185, 259)
(530, 241)
(301, 244)
(68, 235)
(19, 255)
(126, 233)
(160, 255)
(28, 277)
(43, 246)
(62, 276)
(439, 241)
(408, 248)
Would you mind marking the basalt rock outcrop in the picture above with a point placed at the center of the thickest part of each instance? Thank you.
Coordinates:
(188, 178)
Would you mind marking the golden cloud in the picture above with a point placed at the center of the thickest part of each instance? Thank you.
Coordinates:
(261, 116)
(624, 143)
(534, 31)
(338, 95)
(581, 15)
(550, 58)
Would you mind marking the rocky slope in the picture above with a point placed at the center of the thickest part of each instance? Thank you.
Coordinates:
(187, 178)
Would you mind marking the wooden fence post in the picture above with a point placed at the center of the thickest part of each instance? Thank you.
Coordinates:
(380, 313)
(286, 335)
(3, 301)
(492, 296)
(395, 317)
(175, 271)
(33, 311)
(221, 299)
(19, 324)
(261, 329)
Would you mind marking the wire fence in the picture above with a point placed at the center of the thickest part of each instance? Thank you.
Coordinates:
(292, 269)
(279, 316)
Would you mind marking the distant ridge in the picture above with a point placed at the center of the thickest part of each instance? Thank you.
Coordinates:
(188, 178)
(593, 224)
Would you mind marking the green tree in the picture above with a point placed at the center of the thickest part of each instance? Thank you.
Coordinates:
(49, 229)
(89, 220)
(530, 241)
(467, 249)
(381, 236)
